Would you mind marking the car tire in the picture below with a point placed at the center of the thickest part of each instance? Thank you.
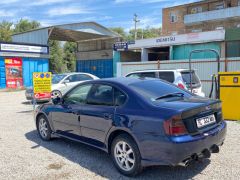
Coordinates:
(43, 127)
(56, 93)
(126, 155)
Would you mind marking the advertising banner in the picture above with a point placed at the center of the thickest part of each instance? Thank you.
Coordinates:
(14, 72)
(42, 82)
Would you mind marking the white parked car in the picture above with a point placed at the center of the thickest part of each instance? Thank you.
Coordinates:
(61, 83)
(179, 77)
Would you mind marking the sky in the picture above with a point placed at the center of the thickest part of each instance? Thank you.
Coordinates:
(109, 13)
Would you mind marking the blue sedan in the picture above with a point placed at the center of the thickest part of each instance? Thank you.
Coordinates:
(139, 122)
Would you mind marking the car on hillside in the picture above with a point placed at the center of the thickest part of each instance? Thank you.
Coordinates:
(61, 83)
(179, 77)
(140, 122)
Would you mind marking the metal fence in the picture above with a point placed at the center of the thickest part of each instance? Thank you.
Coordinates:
(205, 68)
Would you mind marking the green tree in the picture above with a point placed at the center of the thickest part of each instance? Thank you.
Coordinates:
(69, 58)
(56, 64)
(26, 25)
(145, 33)
(5, 31)
(120, 31)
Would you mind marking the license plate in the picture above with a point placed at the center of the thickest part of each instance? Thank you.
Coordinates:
(204, 121)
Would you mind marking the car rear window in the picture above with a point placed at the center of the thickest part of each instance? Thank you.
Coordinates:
(152, 89)
(186, 77)
(167, 76)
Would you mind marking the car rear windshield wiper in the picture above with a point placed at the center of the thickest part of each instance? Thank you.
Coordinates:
(176, 94)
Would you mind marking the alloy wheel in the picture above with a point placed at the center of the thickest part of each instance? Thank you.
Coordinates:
(43, 127)
(124, 156)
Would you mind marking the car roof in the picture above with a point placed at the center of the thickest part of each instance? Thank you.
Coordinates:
(124, 80)
(72, 73)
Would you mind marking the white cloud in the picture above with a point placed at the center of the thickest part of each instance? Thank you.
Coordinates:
(4, 13)
(60, 11)
(47, 2)
(3, 2)
(139, 1)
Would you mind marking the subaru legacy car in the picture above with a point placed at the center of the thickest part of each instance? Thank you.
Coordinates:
(139, 122)
(179, 77)
(61, 83)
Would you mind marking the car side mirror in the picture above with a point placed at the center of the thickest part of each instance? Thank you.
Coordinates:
(57, 100)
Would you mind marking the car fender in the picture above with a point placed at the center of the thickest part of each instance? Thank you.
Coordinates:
(46, 116)
(114, 129)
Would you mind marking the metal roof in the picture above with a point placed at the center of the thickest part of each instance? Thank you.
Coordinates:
(76, 32)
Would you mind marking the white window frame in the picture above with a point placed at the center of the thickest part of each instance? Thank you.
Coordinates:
(173, 17)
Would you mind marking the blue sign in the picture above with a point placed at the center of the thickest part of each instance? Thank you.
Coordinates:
(120, 46)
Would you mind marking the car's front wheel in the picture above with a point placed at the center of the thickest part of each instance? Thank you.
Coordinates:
(43, 128)
(126, 155)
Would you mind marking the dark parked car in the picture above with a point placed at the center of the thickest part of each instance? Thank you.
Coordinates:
(139, 122)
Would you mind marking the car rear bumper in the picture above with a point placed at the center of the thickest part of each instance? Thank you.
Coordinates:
(173, 151)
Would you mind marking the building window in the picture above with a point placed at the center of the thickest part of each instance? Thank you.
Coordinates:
(196, 10)
(219, 6)
(238, 2)
(173, 17)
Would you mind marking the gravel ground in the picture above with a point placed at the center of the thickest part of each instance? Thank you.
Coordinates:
(24, 156)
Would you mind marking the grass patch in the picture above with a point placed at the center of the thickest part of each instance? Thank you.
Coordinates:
(56, 166)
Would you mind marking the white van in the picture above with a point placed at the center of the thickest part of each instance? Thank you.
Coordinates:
(179, 77)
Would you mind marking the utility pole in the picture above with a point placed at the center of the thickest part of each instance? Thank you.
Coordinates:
(136, 20)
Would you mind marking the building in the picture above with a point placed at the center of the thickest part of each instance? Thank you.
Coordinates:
(207, 15)
(19, 60)
(94, 43)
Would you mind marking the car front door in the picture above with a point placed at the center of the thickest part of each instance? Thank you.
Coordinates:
(66, 116)
(98, 113)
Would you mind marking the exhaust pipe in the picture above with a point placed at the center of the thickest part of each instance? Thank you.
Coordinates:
(185, 163)
(214, 149)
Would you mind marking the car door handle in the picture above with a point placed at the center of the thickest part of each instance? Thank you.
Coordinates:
(107, 116)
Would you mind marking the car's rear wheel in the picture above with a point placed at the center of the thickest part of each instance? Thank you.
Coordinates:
(56, 94)
(126, 155)
(43, 128)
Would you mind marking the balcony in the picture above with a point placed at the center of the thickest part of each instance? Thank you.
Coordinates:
(212, 15)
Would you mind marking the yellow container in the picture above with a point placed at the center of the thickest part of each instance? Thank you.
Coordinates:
(229, 84)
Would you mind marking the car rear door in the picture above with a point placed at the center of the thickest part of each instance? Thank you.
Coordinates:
(97, 115)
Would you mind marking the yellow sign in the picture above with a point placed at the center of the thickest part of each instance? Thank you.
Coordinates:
(42, 82)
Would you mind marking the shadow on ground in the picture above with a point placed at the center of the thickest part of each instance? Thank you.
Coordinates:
(100, 163)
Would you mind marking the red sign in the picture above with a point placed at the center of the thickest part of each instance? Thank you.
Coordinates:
(42, 95)
(14, 72)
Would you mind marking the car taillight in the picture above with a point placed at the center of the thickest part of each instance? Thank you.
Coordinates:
(181, 85)
(175, 126)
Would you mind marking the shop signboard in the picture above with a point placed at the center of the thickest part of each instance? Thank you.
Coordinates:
(42, 82)
(13, 72)
(191, 38)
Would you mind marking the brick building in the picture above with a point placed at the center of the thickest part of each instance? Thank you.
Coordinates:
(207, 15)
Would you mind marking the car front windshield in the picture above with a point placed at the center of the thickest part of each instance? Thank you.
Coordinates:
(152, 90)
(56, 78)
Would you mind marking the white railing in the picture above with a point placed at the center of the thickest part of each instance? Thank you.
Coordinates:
(212, 15)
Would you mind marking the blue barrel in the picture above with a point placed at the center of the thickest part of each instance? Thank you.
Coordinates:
(2, 73)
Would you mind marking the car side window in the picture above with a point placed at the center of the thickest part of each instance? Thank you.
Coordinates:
(101, 95)
(78, 95)
(119, 97)
(148, 75)
(167, 76)
(134, 75)
(79, 77)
